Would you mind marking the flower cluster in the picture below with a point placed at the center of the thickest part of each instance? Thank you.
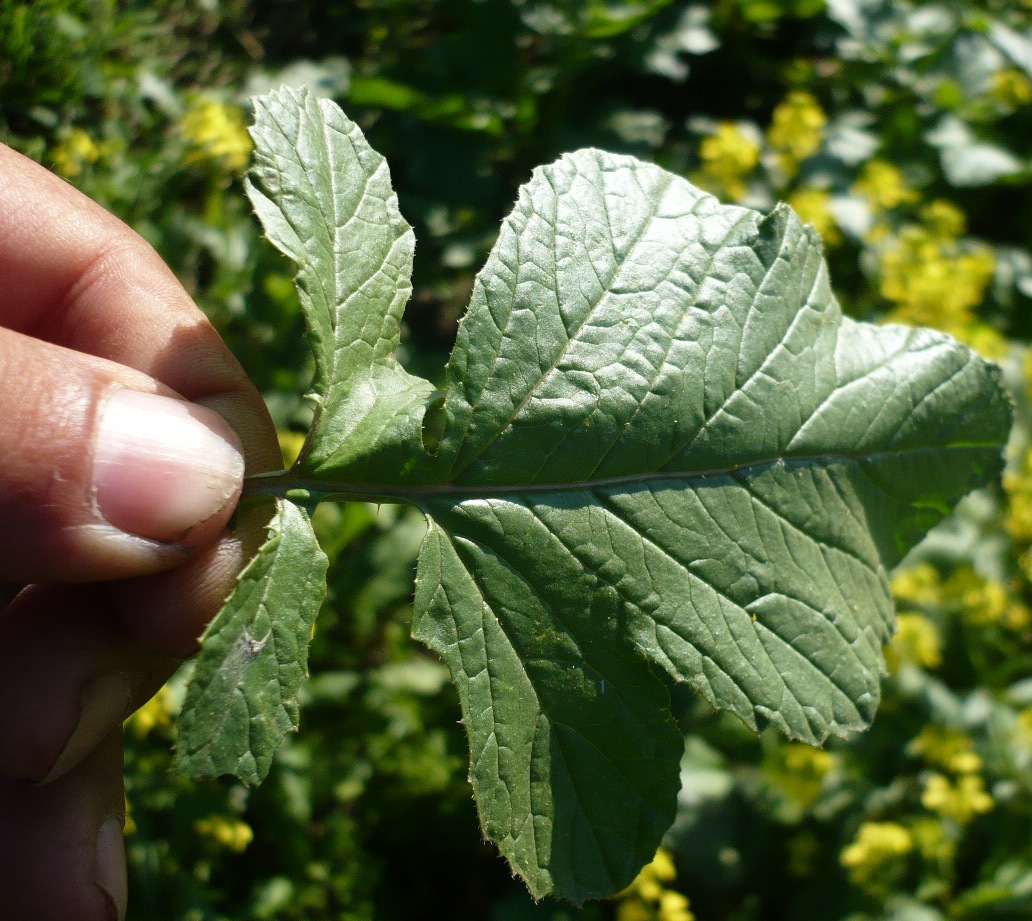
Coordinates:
(216, 133)
(917, 642)
(796, 130)
(650, 897)
(879, 847)
(78, 150)
(883, 186)
(1011, 87)
(798, 773)
(933, 280)
(947, 748)
(814, 208)
(959, 799)
(227, 832)
(965, 594)
(729, 155)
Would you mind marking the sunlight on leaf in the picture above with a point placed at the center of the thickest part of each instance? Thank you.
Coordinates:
(666, 456)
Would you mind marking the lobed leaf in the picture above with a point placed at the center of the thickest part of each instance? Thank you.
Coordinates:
(662, 435)
(666, 456)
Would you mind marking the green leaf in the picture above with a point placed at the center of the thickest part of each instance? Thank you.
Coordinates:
(665, 455)
(242, 697)
(326, 201)
(663, 438)
(573, 753)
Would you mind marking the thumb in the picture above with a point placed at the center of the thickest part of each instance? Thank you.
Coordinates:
(104, 472)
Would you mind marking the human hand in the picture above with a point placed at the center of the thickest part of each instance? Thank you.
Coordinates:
(115, 493)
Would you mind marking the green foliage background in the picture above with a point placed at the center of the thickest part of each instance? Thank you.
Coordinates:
(901, 130)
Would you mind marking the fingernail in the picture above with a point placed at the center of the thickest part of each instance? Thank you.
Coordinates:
(104, 702)
(109, 869)
(162, 466)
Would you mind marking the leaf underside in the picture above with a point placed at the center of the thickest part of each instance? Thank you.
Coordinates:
(325, 199)
(242, 699)
(666, 455)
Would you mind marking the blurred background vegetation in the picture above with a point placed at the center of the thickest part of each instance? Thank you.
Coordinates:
(901, 130)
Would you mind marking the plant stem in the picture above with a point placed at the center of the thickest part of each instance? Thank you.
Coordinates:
(288, 484)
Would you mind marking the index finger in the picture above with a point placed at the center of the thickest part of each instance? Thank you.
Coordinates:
(74, 275)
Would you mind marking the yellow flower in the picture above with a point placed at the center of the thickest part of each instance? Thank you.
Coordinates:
(728, 156)
(673, 906)
(984, 602)
(76, 150)
(981, 601)
(948, 748)
(812, 207)
(290, 445)
(1011, 87)
(796, 129)
(960, 801)
(662, 866)
(217, 134)
(932, 841)
(987, 341)
(633, 910)
(920, 585)
(877, 847)
(943, 219)
(883, 185)
(157, 713)
(228, 832)
(876, 842)
(649, 889)
(916, 642)
(648, 898)
(799, 770)
(931, 281)
(934, 279)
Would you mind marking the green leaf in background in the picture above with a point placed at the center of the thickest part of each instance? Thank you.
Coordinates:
(666, 455)
(242, 698)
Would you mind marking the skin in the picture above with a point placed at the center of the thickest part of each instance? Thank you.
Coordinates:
(87, 306)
